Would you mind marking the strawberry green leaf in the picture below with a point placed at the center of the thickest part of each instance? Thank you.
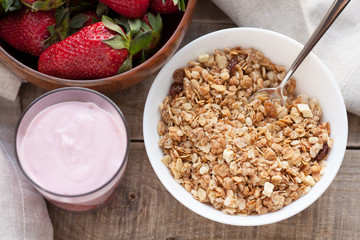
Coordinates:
(134, 25)
(102, 9)
(142, 56)
(39, 5)
(117, 42)
(51, 29)
(155, 22)
(56, 34)
(62, 17)
(182, 5)
(9, 5)
(15, 6)
(6, 4)
(127, 65)
(109, 23)
(94, 20)
(47, 5)
(63, 30)
(61, 14)
(78, 20)
(145, 27)
(60, 30)
(139, 42)
(123, 21)
(53, 38)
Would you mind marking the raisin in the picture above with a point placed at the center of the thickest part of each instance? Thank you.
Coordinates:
(178, 74)
(232, 66)
(175, 88)
(270, 109)
(322, 153)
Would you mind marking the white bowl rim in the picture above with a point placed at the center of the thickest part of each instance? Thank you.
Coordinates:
(211, 213)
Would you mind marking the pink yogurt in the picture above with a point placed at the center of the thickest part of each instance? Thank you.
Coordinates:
(72, 152)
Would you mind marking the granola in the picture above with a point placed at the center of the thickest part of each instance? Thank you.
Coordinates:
(242, 157)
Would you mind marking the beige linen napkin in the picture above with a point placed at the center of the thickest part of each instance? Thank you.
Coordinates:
(9, 83)
(23, 213)
(339, 49)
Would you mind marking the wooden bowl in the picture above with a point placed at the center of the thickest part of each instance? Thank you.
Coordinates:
(175, 26)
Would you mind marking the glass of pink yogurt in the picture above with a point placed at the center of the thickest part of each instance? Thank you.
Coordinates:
(73, 144)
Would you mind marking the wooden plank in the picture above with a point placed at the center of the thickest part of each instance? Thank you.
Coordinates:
(143, 209)
(131, 102)
(354, 131)
(208, 12)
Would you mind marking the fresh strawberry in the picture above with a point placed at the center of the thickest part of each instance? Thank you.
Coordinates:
(26, 30)
(44, 5)
(97, 51)
(167, 6)
(83, 55)
(128, 8)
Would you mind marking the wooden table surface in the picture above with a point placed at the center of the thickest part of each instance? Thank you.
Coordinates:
(143, 209)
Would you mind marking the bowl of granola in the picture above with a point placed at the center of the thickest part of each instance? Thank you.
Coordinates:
(237, 160)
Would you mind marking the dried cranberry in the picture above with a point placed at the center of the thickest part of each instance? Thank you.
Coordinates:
(270, 109)
(232, 66)
(179, 74)
(175, 88)
(322, 153)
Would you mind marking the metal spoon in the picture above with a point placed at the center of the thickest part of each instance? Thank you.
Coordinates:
(329, 18)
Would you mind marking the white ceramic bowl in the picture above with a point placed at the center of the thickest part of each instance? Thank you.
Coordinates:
(313, 79)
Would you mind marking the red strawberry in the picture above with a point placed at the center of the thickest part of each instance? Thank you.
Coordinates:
(167, 6)
(26, 30)
(128, 8)
(97, 51)
(83, 55)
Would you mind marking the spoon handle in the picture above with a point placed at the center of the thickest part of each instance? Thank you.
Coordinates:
(329, 18)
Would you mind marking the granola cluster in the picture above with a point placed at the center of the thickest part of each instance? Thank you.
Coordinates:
(242, 157)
